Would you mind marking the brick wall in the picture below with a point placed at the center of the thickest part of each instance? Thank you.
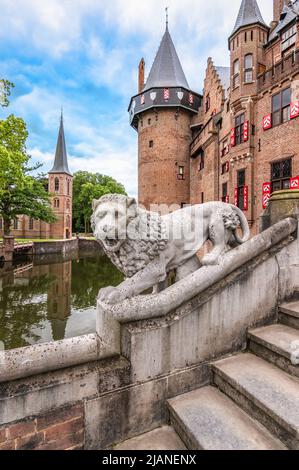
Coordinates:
(61, 429)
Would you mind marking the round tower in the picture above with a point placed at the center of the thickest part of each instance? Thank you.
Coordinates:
(161, 114)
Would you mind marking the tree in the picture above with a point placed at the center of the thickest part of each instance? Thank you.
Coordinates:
(20, 193)
(87, 187)
(5, 90)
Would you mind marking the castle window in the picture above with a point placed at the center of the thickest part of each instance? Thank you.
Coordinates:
(56, 185)
(288, 38)
(281, 107)
(68, 204)
(56, 203)
(202, 198)
(181, 173)
(201, 161)
(208, 102)
(224, 192)
(225, 168)
(236, 77)
(151, 143)
(149, 121)
(68, 187)
(245, 36)
(281, 172)
(248, 74)
(237, 41)
(239, 128)
(16, 224)
(241, 181)
(251, 35)
(31, 223)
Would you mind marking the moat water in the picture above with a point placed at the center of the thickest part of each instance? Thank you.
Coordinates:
(49, 298)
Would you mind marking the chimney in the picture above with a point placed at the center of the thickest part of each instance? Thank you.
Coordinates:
(277, 8)
(141, 75)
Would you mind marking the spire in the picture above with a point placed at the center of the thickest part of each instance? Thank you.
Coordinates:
(249, 14)
(166, 10)
(167, 70)
(61, 163)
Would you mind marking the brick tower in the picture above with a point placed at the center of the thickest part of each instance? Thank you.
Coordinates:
(161, 114)
(247, 57)
(61, 186)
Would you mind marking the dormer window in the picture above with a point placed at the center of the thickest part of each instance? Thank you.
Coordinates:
(288, 38)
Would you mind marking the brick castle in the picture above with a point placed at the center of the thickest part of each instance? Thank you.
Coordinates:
(239, 140)
(60, 185)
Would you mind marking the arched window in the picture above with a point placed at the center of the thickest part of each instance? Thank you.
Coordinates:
(248, 74)
(236, 77)
(56, 203)
(56, 185)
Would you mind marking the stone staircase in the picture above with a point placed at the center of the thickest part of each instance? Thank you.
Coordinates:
(252, 403)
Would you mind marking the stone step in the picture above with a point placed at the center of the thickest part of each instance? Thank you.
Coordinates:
(268, 394)
(164, 438)
(208, 420)
(278, 344)
(289, 314)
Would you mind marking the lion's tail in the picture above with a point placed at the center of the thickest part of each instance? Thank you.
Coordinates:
(244, 226)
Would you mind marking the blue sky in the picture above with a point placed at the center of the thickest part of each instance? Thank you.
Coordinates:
(83, 55)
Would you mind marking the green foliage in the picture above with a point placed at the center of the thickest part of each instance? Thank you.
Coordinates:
(20, 193)
(87, 187)
(5, 90)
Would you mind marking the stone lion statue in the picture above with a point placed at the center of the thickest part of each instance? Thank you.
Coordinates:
(146, 246)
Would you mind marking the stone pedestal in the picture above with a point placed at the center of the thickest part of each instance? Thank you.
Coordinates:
(282, 204)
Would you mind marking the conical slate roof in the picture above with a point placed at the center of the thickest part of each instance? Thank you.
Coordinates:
(249, 14)
(167, 70)
(61, 163)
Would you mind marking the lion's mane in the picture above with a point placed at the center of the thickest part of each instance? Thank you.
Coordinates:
(149, 240)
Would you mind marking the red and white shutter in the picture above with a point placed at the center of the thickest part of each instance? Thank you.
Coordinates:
(294, 109)
(191, 99)
(246, 131)
(233, 137)
(236, 197)
(294, 183)
(267, 122)
(266, 194)
(166, 94)
(246, 194)
(142, 99)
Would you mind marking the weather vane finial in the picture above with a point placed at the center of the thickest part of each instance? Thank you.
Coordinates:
(166, 10)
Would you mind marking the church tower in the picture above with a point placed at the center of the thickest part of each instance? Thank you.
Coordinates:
(61, 186)
(161, 113)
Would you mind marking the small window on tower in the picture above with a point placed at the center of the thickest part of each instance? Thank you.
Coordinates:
(151, 143)
(248, 75)
(236, 76)
(181, 174)
(68, 187)
(149, 121)
(56, 184)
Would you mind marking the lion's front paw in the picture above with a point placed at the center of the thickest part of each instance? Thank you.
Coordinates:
(210, 259)
(109, 295)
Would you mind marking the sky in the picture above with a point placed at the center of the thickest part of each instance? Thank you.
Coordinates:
(83, 55)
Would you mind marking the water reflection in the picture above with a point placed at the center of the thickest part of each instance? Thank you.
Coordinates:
(51, 297)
